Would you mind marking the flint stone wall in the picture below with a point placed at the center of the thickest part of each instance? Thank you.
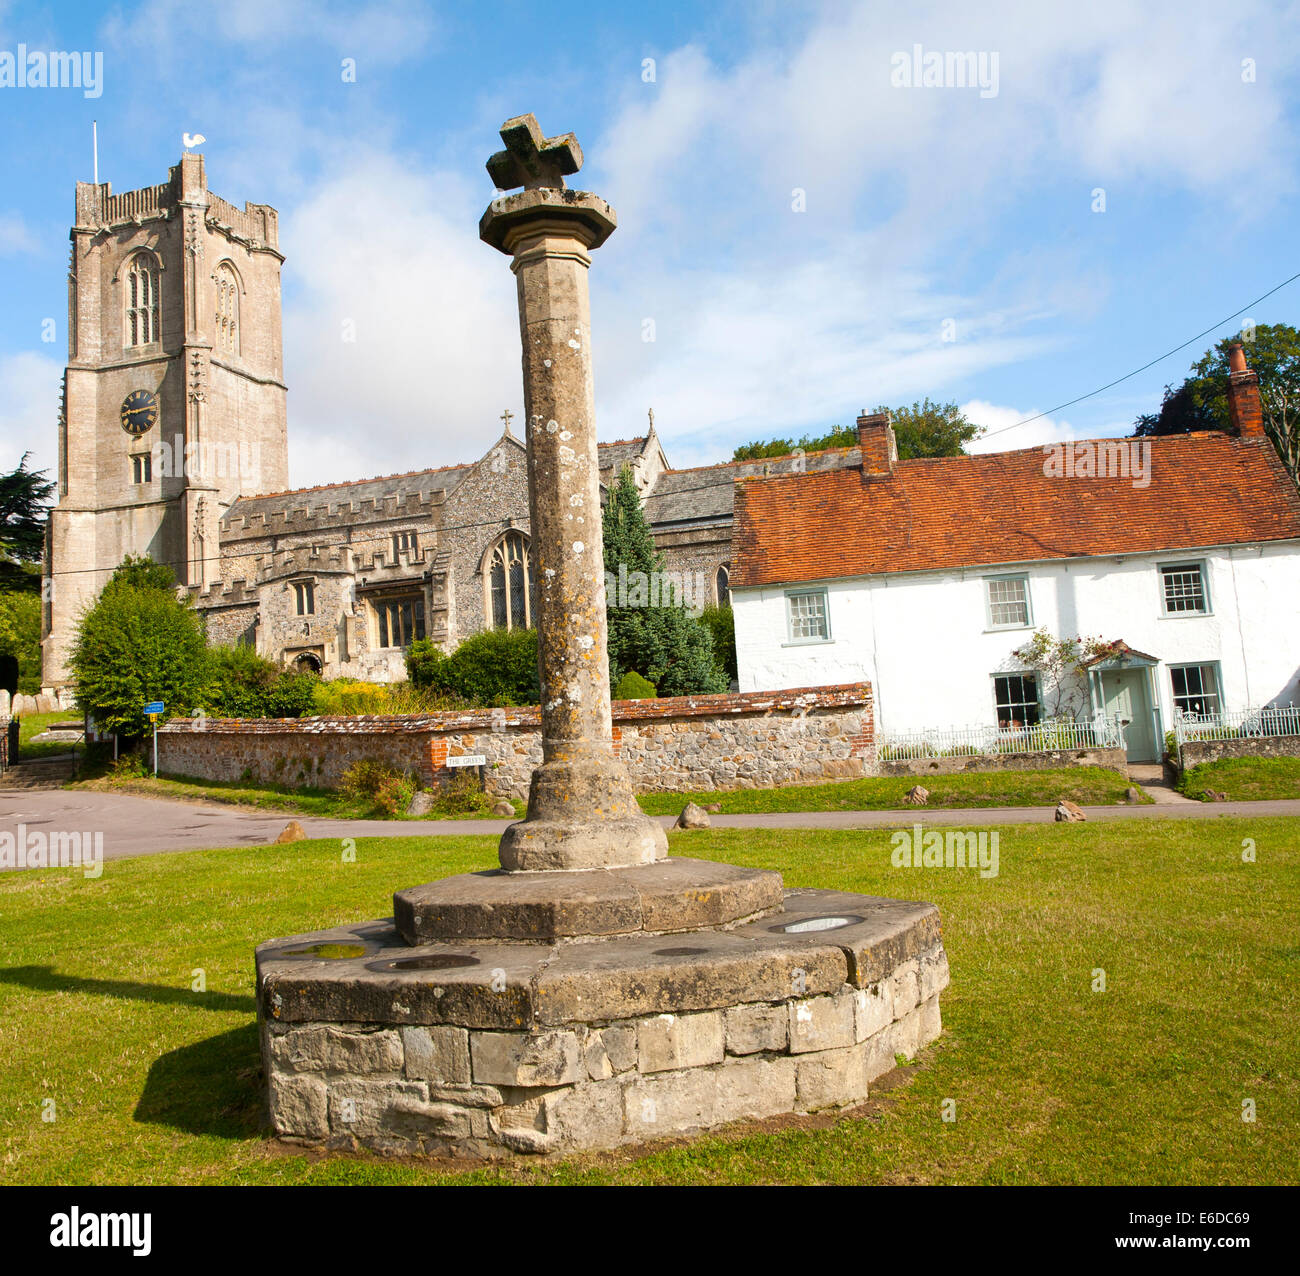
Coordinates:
(739, 741)
(445, 1090)
(1042, 760)
(1193, 753)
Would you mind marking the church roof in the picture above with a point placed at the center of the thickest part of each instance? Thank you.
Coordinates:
(412, 483)
(707, 491)
(1005, 507)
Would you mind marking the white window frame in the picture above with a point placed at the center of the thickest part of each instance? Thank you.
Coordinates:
(989, 581)
(1215, 671)
(1018, 673)
(791, 639)
(1184, 565)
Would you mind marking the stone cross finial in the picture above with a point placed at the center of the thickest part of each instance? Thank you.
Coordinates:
(531, 160)
(507, 416)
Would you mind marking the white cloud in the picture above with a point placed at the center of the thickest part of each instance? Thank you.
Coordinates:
(435, 358)
(29, 410)
(998, 419)
(14, 235)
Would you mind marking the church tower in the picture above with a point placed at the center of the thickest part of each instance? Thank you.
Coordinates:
(174, 396)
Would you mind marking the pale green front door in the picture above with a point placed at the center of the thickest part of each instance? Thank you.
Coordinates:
(1126, 698)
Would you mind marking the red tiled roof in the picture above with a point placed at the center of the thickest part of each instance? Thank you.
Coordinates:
(1000, 507)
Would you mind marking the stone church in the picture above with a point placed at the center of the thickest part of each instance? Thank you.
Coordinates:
(173, 444)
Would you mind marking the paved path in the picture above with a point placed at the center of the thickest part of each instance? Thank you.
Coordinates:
(134, 825)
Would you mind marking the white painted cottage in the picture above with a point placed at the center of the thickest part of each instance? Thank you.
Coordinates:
(923, 577)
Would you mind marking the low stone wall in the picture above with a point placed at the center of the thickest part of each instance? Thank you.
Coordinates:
(1044, 760)
(1193, 753)
(471, 1089)
(750, 740)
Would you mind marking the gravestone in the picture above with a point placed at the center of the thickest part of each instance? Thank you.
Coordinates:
(591, 991)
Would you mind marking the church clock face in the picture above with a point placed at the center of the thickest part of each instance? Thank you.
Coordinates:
(139, 412)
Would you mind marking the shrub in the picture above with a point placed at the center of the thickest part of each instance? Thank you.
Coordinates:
(393, 794)
(346, 697)
(495, 667)
(632, 686)
(721, 622)
(461, 796)
(139, 642)
(362, 779)
(20, 638)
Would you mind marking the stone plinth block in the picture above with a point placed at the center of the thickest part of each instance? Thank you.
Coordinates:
(675, 894)
(492, 1048)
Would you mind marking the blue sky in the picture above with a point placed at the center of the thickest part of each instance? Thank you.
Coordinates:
(926, 211)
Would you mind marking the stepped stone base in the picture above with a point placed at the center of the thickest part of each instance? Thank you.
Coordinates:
(492, 1048)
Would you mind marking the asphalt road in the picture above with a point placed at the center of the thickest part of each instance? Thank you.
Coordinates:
(149, 826)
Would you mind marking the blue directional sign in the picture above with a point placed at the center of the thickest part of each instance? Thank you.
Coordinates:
(154, 706)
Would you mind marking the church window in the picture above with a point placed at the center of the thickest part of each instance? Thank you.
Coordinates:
(722, 585)
(401, 621)
(142, 308)
(510, 584)
(405, 543)
(227, 308)
(305, 597)
(142, 468)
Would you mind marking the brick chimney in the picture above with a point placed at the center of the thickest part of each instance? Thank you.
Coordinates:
(1243, 395)
(879, 447)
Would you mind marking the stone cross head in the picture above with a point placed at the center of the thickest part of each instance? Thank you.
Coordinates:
(531, 160)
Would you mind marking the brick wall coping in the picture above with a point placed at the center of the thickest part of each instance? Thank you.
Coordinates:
(842, 696)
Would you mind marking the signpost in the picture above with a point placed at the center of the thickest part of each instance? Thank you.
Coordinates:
(152, 711)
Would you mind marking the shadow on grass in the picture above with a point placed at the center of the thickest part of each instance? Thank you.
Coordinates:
(210, 1087)
(47, 979)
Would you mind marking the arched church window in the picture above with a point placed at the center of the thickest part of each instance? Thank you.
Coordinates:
(510, 584)
(226, 318)
(142, 301)
(722, 585)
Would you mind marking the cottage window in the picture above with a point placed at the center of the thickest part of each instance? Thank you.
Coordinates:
(1015, 697)
(510, 584)
(401, 621)
(305, 597)
(1008, 602)
(809, 616)
(1183, 588)
(1196, 689)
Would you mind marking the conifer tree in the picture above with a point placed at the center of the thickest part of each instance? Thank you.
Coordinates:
(652, 635)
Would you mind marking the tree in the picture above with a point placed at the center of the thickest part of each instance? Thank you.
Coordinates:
(24, 498)
(924, 429)
(652, 633)
(137, 643)
(1061, 664)
(1201, 401)
(20, 636)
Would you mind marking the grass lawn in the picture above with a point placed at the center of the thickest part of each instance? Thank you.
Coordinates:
(1088, 786)
(32, 724)
(1091, 786)
(153, 1082)
(1244, 779)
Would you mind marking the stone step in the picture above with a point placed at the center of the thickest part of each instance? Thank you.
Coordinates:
(39, 773)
